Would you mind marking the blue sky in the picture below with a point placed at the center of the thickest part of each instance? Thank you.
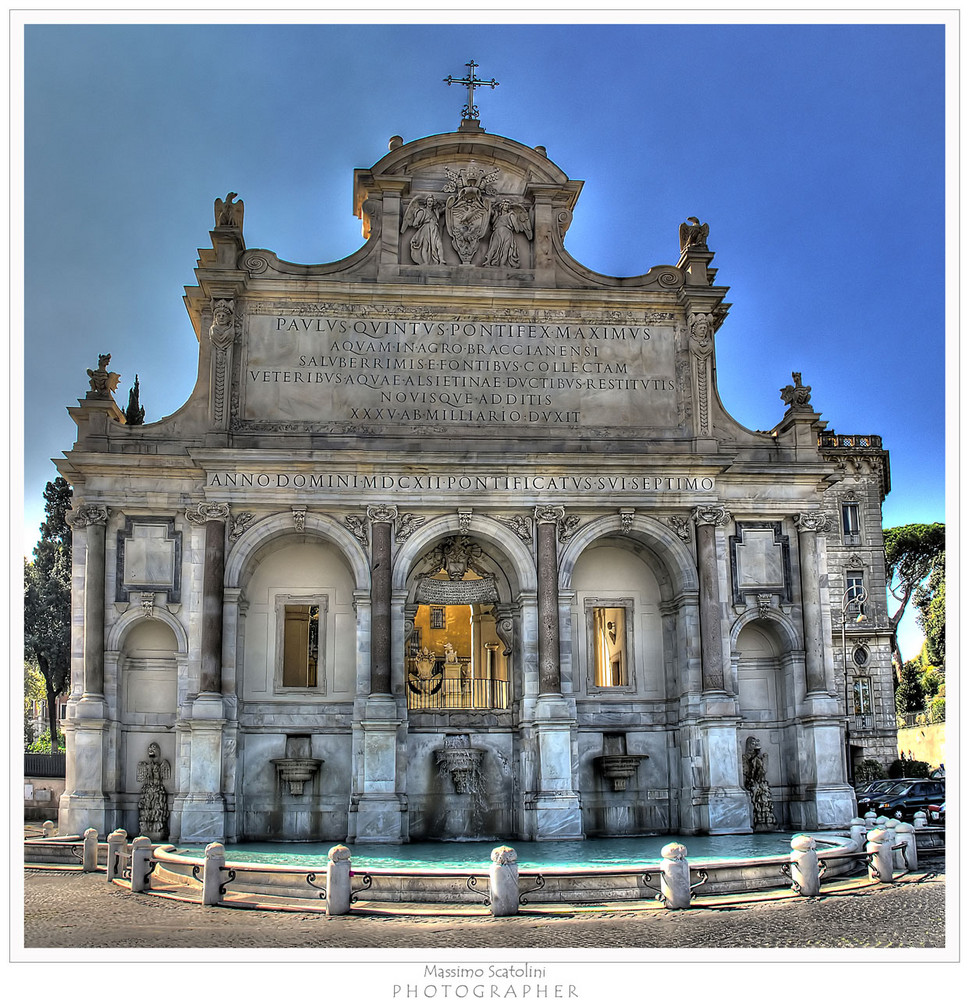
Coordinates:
(815, 153)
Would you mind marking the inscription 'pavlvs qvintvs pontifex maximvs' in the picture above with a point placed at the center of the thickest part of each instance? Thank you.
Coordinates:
(414, 372)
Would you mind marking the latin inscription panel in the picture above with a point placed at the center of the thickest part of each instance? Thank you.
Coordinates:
(488, 375)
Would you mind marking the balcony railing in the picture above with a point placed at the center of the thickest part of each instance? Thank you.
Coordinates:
(439, 694)
(828, 439)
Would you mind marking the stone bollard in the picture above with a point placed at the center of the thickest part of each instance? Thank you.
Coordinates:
(858, 831)
(804, 866)
(879, 852)
(869, 820)
(116, 845)
(48, 828)
(675, 879)
(212, 875)
(90, 859)
(338, 881)
(141, 851)
(921, 820)
(503, 882)
(905, 834)
(880, 822)
(891, 825)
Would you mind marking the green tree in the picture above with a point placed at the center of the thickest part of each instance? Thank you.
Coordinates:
(930, 601)
(47, 600)
(912, 552)
(910, 693)
(33, 691)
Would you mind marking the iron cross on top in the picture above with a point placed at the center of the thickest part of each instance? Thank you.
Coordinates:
(471, 81)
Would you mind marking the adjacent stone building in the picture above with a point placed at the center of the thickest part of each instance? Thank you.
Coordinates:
(455, 539)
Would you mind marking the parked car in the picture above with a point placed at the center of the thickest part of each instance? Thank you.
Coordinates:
(937, 813)
(905, 798)
(870, 798)
(874, 787)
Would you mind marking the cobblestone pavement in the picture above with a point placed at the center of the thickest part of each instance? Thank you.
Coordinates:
(80, 911)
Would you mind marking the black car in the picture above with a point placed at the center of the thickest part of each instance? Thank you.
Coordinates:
(905, 798)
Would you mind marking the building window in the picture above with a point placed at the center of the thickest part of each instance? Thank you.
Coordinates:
(610, 626)
(854, 588)
(861, 655)
(862, 696)
(300, 643)
(438, 618)
(850, 522)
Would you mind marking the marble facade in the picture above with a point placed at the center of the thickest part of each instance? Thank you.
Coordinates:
(460, 417)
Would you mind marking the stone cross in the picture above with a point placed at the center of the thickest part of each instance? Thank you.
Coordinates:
(471, 81)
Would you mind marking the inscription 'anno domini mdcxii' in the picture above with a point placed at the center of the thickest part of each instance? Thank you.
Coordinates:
(479, 373)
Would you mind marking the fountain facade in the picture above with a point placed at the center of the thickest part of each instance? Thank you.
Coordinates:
(455, 539)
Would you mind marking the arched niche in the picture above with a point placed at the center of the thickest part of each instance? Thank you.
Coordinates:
(461, 622)
(764, 674)
(618, 641)
(669, 558)
(279, 530)
(148, 672)
(296, 599)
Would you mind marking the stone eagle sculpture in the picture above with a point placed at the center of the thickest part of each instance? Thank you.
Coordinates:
(692, 234)
(229, 212)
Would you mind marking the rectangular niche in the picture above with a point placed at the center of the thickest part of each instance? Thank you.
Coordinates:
(149, 558)
(760, 561)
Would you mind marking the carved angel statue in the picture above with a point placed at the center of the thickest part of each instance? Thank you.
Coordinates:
(692, 234)
(103, 382)
(423, 215)
(153, 801)
(228, 212)
(507, 219)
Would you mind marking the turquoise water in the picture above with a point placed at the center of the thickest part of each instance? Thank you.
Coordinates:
(599, 853)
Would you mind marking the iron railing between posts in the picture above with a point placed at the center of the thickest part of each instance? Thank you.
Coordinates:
(442, 694)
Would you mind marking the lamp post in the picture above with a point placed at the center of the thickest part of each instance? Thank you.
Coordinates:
(856, 596)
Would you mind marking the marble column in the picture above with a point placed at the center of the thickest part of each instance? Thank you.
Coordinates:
(381, 519)
(95, 521)
(549, 669)
(84, 803)
(808, 526)
(198, 812)
(711, 635)
(214, 515)
(378, 806)
(552, 804)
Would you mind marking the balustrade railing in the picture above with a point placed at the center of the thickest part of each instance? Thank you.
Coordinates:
(441, 694)
(828, 439)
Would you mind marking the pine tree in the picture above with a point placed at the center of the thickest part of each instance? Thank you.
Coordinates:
(47, 599)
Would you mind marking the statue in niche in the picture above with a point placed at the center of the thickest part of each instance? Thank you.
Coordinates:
(468, 211)
(424, 216)
(797, 396)
(103, 382)
(757, 786)
(693, 236)
(229, 212)
(153, 801)
(507, 219)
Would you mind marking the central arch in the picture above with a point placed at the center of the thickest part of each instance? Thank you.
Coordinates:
(460, 682)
